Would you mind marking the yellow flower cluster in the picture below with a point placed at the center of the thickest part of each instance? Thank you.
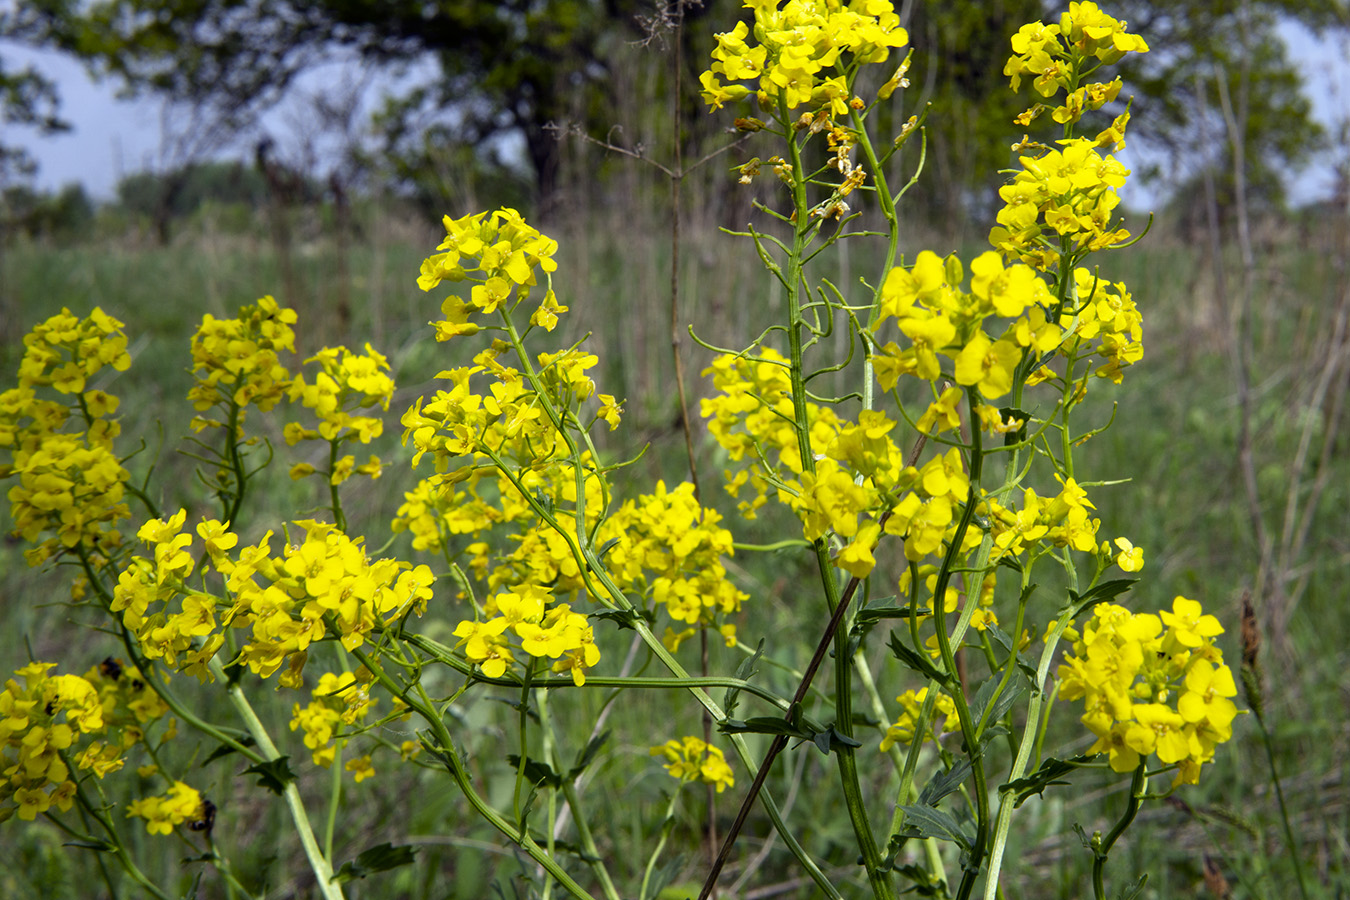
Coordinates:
(164, 813)
(236, 363)
(1062, 200)
(1058, 55)
(691, 759)
(859, 475)
(339, 699)
(346, 382)
(65, 352)
(1152, 685)
(39, 723)
(435, 509)
(499, 253)
(669, 548)
(508, 419)
(44, 722)
(940, 319)
(662, 548)
(323, 585)
(1107, 315)
(902, 730)
(806, 53)
(751, 417)
(544, 631)
(1061, 521)
(70, 483)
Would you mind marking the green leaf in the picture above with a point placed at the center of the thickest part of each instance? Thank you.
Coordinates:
(587, 755)
(832, 739)
(924, 822)
(664, 875)
(1131, 891)
(1016, 686)
(877, 610)
(225, 749)
(605, 548)
(748, 669)
(98, 845)
(945, 783)
(917, 661)
(1049, 773)
(536, 772)
(274, 774)
(1107, 590)
(764, 725)
(1004, 642)
(624, 618)
(380, 858)
(922, 880)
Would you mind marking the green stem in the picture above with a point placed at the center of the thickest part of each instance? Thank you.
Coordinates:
(339, 518)
(118, 846)
(969, 731)
(318, 863)
(1284, 810)
(666, 825)
(877, 876)
(417, 699)
(583, 551)
(1032, 732)
(1103, 848)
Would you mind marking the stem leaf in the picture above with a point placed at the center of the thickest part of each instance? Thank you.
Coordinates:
(922, 821)
(380, 858)
(1050, 772)
(917, 661)
(274, 774)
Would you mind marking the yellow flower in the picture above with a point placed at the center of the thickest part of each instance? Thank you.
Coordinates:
(1130, 558)
(360, 768)
(988, 365)
(691, 759)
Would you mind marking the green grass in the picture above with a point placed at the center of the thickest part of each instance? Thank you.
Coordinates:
(1175, 437)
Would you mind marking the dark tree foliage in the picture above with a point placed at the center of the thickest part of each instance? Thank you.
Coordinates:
(1210, 53)
(27, 100)
(507, 67)
(479, 75)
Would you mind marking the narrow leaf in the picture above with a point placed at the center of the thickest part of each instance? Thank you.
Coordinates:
(380, 858)
(274, 774)
(925, 821)
(1050, 772)
(536, 772)
(916, 661)
(1107, 590)
(587, 755)
(945, 783)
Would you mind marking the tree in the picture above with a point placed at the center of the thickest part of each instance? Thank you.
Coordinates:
(506, 67)
(27, 99)
(1208, 52)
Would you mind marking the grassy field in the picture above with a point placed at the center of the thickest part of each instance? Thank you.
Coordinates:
(1177, 435)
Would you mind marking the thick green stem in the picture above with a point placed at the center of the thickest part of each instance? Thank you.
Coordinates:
(877, 875)
(295, 804)
(969, 731)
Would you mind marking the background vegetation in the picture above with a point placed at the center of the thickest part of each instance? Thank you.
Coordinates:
(1236, 438)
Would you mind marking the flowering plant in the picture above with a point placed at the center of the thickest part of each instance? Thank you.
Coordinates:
(947, 481)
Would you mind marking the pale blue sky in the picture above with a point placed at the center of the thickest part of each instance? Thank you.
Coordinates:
(112, 138)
